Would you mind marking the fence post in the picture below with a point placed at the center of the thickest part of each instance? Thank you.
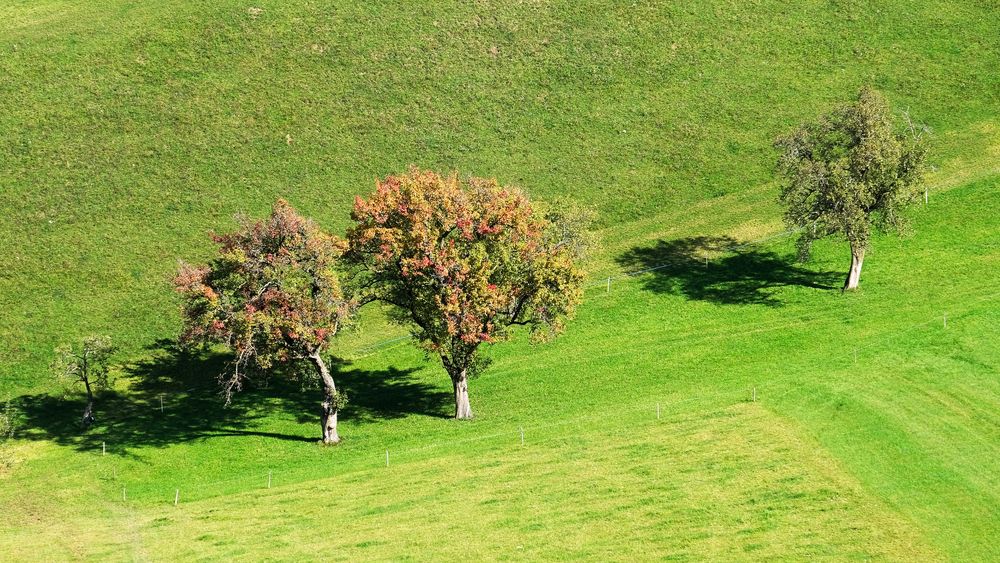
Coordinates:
(387, 458)
(657, 411)
(754, 394)
(609, 284)
(123, 493)
(268, 479)
(521, 428)
(104, 448)
(177, 496)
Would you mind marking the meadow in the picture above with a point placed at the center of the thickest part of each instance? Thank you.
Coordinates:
(729, 404)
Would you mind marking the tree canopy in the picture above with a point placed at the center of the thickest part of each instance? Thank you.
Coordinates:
(852, 170)
(272, 294)
(464, 261)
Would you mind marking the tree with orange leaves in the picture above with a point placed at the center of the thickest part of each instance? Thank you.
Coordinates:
(464, 261)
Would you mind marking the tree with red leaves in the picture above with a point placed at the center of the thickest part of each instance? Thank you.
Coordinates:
(271, 295)
(462, 262)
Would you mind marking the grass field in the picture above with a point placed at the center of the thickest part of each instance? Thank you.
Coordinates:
(132, 129)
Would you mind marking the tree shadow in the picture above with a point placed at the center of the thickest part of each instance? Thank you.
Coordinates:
(720, 270)
(173, 397)
(388, 393)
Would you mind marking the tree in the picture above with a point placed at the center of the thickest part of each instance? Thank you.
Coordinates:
(87, 365)
(271, 295)
(462, 262)
(849, 172)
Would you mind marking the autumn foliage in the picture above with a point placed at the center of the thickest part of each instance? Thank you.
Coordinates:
(463, 261)
(271, 295)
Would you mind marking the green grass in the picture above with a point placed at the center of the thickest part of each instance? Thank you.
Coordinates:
(132, 129)
(565, 496)
(893, 456)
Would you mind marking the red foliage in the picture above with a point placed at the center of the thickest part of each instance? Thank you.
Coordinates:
(272, 294)
(464, 260)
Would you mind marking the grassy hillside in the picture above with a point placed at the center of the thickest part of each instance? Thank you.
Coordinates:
(131, 129)
(890, 455)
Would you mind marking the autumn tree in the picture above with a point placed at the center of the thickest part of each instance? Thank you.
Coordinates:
(462, 262)
(850, 172)
(271, 295)
(86, 364)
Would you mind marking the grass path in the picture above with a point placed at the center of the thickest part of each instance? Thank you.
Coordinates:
(735, 483)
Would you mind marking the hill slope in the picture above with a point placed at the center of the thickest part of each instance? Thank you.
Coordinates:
(131, 129)
(134, 128)
(874, 433)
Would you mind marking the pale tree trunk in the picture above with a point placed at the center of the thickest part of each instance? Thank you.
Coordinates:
(328, 413)
(88, 412)
(460, 381)
(854, 276)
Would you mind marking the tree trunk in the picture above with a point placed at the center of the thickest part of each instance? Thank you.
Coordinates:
(328, 412)
(854, 276)
(88, 412)
(460, 381)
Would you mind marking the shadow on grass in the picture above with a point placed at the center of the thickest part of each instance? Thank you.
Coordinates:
(733, 274)
(388, 393)
(193, 409)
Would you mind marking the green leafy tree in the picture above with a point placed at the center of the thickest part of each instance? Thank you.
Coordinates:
(86, 364)
(850, 172)
(462, 262)
(271, 295)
